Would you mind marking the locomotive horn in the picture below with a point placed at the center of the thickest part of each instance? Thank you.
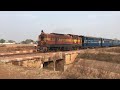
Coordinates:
(41, 30)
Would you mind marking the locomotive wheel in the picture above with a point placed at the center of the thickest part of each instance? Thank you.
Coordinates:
(45, 49)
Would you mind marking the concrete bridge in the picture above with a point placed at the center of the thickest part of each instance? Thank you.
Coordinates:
(54, 61)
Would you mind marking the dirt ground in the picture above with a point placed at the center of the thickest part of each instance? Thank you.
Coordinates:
(100, 63)
(16, 47)
(17, 72)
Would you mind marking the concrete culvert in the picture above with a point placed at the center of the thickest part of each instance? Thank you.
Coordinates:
(48, 65)
(59, 65)
(15, 62)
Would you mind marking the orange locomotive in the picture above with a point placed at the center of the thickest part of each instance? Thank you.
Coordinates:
(55, 41)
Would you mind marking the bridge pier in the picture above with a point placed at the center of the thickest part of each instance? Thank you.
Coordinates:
(59, 65)
(56, 65)
(48, 65)
(70, 57)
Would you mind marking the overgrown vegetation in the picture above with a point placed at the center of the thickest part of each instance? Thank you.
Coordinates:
(100, 56)
(2, 41)
(91, 69)
(116, 50)
(2, 45)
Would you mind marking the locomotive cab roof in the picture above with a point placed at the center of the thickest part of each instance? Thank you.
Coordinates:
(57, 34)
(74, 35)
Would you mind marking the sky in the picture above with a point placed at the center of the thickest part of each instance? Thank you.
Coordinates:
(22, 25)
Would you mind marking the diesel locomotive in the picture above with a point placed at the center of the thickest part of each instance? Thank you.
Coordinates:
(62, 42)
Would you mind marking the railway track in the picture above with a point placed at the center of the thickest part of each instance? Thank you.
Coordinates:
(25, 52)
(29, 52)
(17, 53)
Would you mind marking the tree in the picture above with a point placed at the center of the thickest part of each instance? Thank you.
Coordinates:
(11, 41)
(27, 41)
(23, 42)
(2, 41)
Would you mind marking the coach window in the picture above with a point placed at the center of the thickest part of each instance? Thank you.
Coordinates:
(85, 41)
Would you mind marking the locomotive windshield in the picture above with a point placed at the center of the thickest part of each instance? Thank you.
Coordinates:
(41, 37)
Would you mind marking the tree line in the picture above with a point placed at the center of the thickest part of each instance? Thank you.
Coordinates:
(27, 41)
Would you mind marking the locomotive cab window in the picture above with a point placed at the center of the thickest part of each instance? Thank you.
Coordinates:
(42, 37)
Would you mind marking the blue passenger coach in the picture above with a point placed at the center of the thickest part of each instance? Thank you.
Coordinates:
(116, 42)
(107, 42)
(89, 42)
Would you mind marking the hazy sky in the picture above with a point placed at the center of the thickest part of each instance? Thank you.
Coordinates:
(21, 25)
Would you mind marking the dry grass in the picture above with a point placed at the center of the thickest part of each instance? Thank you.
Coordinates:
(116, 50)
(18, 45)
(110, 49)
(101, 57)
(91, 69)
(15, 48)
(81, 69)
(92, 65)
(16, 72)
(2, 45)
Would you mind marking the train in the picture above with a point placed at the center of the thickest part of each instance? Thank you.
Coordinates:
(66, 42)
